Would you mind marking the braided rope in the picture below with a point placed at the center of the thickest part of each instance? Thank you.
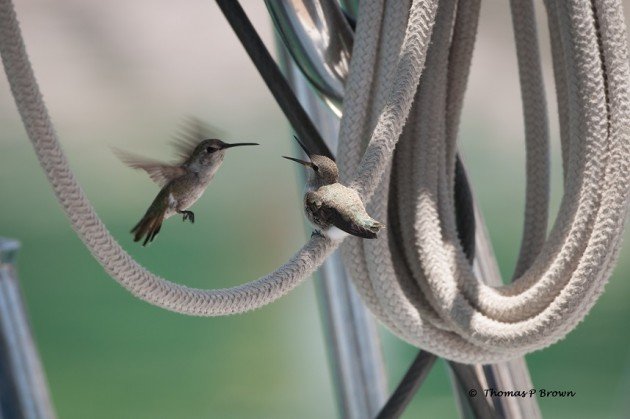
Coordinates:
(416, 278)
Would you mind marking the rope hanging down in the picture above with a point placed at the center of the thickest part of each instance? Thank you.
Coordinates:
(416, 279)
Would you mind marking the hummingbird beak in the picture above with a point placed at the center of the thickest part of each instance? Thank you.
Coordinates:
(225, 145)
(305, 163)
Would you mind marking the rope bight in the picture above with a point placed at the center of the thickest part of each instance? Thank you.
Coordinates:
(416, 278)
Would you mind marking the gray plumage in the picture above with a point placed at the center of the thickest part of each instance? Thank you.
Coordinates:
(183, 182)
(334, 209)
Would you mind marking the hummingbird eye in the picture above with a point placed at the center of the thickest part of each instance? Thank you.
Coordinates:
(316, 168)
(211, 149)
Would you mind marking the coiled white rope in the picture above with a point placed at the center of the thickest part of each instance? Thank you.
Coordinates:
(416, 278)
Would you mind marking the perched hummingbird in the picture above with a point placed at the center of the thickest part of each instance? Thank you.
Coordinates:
(334, 209)
(183, 182)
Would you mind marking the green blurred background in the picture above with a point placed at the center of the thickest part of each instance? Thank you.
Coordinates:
(124, 74)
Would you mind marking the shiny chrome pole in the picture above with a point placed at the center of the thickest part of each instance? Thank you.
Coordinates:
(352, 337)
(23, 389)
(325, 56)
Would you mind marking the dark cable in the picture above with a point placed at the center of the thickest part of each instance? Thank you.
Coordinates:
(464, 211)
(408, 387)
(271, 74)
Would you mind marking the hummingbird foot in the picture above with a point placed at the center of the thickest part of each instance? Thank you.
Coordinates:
(317, 233)
(188, 215)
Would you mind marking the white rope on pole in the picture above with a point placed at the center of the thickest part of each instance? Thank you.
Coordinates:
(416, 278)
(452, 313)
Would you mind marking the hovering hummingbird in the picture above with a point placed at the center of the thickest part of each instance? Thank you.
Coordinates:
(183, 182)
(334, 209)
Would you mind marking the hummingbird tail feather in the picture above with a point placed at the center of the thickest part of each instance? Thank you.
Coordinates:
(148, 227)
(376, 226)
(370, 229)
(366, 229)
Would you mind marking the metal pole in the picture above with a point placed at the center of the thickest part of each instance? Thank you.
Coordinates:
(23, 389)
(352, 336)
(358, 365)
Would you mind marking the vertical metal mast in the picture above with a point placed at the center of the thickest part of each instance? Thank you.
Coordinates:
(352, 336)
(23, 389)
(358, 367)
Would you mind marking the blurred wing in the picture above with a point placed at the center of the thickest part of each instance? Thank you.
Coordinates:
(329, 213)
(160, 173)
(192, 131)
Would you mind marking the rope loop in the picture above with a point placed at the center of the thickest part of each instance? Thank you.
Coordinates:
(416, 278)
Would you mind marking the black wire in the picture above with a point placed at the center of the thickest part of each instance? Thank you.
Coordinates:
(409, 385)
(271, 74)
(464, 211)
